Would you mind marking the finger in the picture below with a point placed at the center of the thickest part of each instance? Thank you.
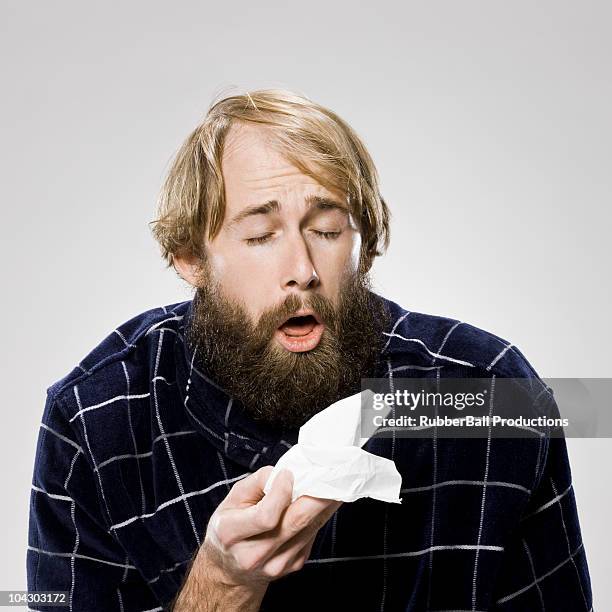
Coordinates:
(291, 556)
(248, 490)
(290, 537)
(235, 524)
(303, 555)
(264, 547)
(307, 511)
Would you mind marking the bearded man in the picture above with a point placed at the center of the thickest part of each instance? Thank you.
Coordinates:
(148, 490)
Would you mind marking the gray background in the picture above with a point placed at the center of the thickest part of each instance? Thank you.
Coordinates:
(489, 122)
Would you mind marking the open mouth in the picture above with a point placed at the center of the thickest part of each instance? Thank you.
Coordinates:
(300, 333)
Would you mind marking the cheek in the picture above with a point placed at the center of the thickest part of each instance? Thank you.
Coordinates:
(343, 257)
(335, 264)
(243, 281)
(355, 252)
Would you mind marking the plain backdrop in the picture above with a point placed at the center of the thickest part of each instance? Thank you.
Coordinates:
(489, 122)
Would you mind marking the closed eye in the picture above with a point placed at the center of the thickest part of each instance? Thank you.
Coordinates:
(327, 235)
(258, 239)
(265, 237)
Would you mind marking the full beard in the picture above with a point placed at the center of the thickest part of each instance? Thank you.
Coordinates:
(277, 386)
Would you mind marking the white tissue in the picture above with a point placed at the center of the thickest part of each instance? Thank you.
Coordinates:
(328, 460)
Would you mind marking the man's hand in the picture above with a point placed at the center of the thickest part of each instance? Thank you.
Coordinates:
(251, 540)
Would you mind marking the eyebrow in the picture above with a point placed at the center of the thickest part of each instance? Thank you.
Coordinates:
(272, 206)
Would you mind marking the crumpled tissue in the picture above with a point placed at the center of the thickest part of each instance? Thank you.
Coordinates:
(328, 461)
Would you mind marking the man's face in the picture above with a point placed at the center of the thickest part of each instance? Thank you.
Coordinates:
(283, 233)
(283, 319)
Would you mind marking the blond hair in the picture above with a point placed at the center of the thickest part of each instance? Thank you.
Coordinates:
(312, 138)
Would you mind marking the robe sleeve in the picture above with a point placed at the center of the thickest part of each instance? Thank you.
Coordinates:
(70, 548)
(545, 565)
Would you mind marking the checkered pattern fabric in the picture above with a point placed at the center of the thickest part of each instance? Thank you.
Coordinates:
(137, 448)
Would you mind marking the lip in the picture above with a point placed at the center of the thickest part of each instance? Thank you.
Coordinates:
(300, 344)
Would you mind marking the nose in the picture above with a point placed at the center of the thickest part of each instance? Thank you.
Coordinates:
(299, 271)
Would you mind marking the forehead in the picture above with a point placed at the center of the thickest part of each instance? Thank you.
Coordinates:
(253, 167)
(249, 147)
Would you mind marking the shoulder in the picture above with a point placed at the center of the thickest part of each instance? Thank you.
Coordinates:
(102, 371)
(439, 340)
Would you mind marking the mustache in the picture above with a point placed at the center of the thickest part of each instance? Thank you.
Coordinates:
(272, 318)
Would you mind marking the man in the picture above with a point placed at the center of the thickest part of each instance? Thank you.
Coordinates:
(154, 451)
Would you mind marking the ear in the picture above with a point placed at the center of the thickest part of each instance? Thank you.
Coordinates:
(188, 267)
